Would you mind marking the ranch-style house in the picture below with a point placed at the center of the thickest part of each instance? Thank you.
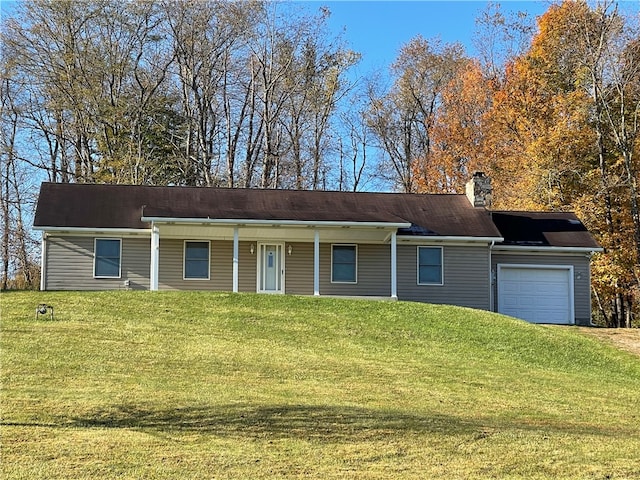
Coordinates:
(445, 248)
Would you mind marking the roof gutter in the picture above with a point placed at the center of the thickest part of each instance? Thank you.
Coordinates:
(448, 238)
(273, 223)
(533, 249)
(92, 229)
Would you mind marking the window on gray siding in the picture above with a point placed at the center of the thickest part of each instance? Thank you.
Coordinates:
(107, 254)
(343, 263)
(196, 260)
(430, 265)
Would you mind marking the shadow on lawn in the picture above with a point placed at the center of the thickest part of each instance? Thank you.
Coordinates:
(282, 421)
(321, 423)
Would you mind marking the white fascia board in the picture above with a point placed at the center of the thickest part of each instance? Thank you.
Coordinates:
(273, 223)
(448, 239)
(558, 250)
(122, 231)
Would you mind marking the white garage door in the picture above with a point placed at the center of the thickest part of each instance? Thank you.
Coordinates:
(538, 295)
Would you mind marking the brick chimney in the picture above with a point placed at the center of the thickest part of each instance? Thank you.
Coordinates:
(479, 190)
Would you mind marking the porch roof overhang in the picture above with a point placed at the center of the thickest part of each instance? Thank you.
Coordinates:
(274, 229)
(273, 223)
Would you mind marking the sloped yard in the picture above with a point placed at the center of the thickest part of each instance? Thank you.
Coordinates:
(199, 385)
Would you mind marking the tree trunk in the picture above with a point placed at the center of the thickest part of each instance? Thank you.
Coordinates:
(6, 225)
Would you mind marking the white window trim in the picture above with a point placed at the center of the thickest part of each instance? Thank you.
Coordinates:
(441, 266)
(356, 272)
(184, 261)
(95, 241)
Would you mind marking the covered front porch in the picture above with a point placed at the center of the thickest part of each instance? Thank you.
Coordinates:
(279, 256)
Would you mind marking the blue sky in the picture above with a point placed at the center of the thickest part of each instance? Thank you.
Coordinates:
(378, 29)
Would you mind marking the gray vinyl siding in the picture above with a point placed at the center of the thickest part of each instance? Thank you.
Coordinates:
(373, 272)
(581, 267)
(69, 264)
(465, 278)
(299, 269)
(247, 267)
(171, 268)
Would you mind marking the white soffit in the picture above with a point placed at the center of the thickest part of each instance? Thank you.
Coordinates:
(275, 233)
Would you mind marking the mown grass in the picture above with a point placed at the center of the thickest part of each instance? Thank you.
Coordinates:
(199, 385)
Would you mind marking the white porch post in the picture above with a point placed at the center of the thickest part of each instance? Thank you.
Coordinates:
(43, 262)
(394, 266)
(316, 263)
(235, 260)
(155, 257)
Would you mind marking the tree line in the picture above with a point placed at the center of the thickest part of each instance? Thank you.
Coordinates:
(262, 94)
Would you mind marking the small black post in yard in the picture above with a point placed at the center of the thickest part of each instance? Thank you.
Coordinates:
(43, 308)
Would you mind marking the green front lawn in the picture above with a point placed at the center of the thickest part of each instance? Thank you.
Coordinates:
(200, 385)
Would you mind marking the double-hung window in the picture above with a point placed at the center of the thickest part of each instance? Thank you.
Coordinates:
(430, 266)
(196, 260)
(344, 264)
(107, 254)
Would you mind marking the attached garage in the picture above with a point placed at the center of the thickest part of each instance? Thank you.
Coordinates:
(541, 271)
(537, 294)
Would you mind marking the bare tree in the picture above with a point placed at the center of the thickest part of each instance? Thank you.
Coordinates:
(499, 38)
(15, 245)
(317, 83)
(402, 119)
(354, 145)
(8, 126)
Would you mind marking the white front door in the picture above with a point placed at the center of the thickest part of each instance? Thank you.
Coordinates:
(270, 268)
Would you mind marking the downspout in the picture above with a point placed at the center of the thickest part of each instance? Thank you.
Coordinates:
(491, 245)
(491, 307)
(155, 258)
(316, 263)
(394, 266)
(43, 261)
(235, 261)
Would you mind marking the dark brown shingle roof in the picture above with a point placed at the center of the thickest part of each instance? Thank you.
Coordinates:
(543, 229)
(121, 206)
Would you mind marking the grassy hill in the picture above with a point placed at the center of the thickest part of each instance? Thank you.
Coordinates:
(200, 385)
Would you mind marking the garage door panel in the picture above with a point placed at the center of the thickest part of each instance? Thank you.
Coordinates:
(512, 288)
(511, 302)
(551, 289)
(554, 317)
(510, 275)
(526, 301)
(538, 295)
(512, 312)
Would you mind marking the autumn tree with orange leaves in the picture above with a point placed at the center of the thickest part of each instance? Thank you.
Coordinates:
(538, 132)
(457, 135)
(558, 130)
(572, 106)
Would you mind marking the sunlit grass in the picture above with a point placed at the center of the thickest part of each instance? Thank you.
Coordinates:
(201, 385)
